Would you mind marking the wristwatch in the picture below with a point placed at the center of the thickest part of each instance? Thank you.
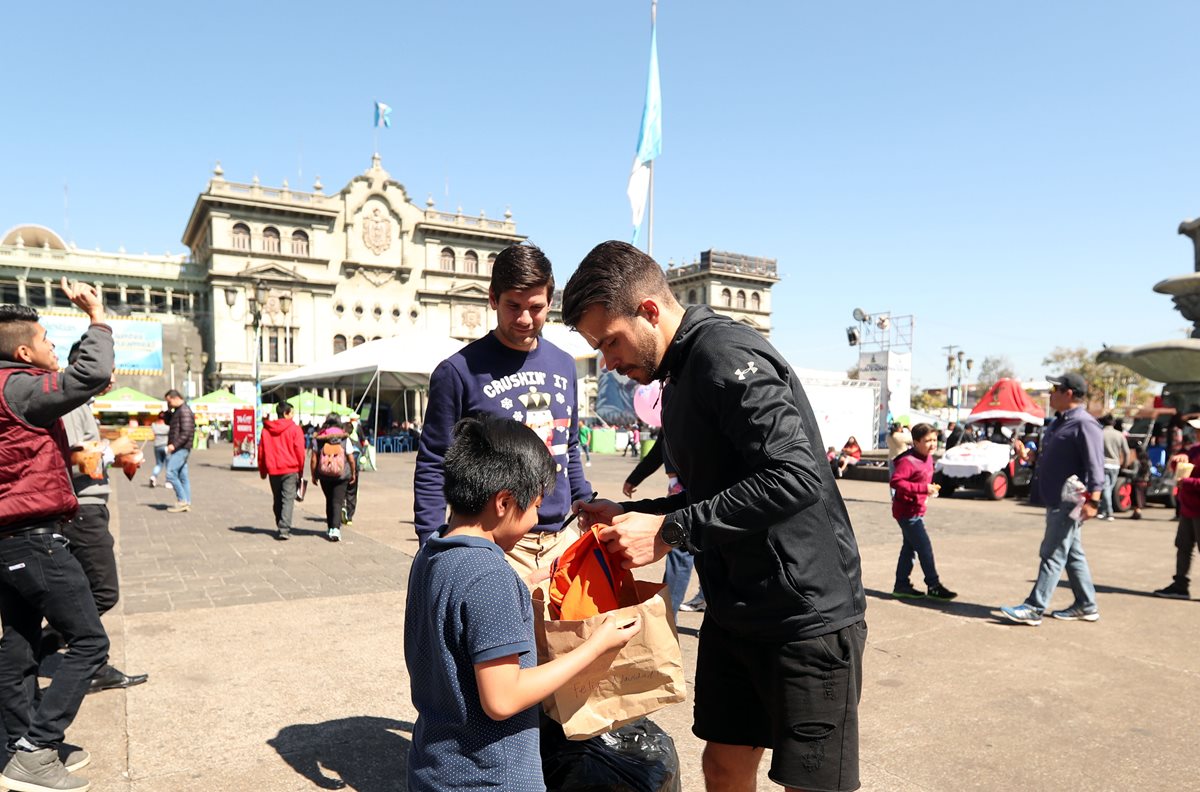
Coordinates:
(673, 534)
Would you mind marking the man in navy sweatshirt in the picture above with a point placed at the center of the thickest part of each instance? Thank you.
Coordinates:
(515, 373)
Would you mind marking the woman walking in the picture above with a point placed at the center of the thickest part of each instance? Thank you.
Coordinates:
(333, 467)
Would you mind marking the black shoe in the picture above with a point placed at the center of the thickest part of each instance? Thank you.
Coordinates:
(940, 592)
(110, 678)
(907, 591)
(1174, 591)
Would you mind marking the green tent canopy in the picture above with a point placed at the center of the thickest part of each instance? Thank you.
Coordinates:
(221, 397)
(309, 404)
(128, 400)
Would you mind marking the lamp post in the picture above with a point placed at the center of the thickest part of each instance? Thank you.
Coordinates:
(187, 368)
(956, 365)
(174, 357)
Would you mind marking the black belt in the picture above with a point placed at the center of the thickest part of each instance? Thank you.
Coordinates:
(39, 531)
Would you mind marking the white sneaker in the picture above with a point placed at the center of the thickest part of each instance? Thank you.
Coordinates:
(152, 482)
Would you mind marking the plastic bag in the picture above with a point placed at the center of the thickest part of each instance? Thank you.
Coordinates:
(638, 757)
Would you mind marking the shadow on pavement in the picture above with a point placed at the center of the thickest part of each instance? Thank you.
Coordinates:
(253, 529)
(971, 610)
(363, 753)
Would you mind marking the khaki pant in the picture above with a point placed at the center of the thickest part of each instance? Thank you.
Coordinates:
(536, 550)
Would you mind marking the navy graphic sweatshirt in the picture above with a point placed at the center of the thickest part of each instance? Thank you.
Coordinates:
(537, 388)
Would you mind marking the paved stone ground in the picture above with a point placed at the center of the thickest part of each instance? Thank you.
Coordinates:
(279, 665)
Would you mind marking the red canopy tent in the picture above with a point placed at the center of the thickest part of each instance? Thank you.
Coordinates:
(1006, 402)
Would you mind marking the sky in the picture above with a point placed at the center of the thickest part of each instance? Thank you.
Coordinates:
(1011, 175)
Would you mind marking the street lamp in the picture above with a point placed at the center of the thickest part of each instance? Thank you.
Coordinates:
(187, 367)
(956, 365)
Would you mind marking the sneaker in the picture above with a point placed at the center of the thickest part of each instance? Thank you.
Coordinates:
(347, 523)
(907, 591)
(283, 536)
(168, 486)
(587, 464)
(1173, 591)
(1076, 613)
(73, 757)
(40, 771)
(153, 482)
(1022, 614)
(1109, 518)
(695, 605)
(940, 592)
(335, 534)
(1135, 516)
(179, 507)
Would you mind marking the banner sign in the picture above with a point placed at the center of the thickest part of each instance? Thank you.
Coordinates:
(138, 342)
(245, 449)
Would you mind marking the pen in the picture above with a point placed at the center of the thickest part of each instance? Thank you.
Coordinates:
(568, 521)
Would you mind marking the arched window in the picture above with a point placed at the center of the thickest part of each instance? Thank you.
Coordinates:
(359, 340)
(741, 300)
(339, 343)
(755, 302)
(726, 297)
(691, 296)
(299, 243)
(270, 240)
(471, 262)
(448, 259)
(491, 262)
(241, 237)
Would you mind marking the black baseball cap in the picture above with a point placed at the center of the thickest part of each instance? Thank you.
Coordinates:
(1071, 381)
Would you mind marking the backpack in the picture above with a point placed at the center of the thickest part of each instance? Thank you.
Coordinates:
(332, 463)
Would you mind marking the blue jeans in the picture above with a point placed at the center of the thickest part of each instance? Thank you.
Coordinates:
(1110, 482)
(1062, 546)
(677, 575)
(916, 543)
(40, 578)
(160, 459)
(177, 475)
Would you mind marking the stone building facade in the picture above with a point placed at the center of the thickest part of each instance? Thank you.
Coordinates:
(732, 284)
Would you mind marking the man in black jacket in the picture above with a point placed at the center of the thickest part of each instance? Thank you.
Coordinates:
(780, 652)
(179, 446)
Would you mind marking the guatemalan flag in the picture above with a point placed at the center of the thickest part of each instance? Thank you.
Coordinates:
(649, 141)
(383, 115)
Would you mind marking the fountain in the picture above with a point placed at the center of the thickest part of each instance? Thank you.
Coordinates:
(1175, 363)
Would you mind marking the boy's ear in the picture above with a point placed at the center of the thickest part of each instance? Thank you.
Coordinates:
(504, 503)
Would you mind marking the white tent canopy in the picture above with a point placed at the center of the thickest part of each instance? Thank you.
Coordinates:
(568, 341)
(403, 361)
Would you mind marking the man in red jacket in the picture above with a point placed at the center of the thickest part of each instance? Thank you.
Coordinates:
(912, 475)
(281, 456)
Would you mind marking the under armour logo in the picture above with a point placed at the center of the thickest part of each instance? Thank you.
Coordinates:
(750, 369)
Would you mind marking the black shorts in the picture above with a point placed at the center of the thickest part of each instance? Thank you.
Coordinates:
(799, 699)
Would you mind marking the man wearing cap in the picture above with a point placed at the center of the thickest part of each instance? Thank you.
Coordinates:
(1072, 447)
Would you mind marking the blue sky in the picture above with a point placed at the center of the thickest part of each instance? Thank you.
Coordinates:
(1012, 175)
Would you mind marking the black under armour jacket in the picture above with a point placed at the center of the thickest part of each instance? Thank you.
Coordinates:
(773, 543)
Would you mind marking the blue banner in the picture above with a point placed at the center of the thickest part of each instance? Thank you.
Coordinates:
(138, 342)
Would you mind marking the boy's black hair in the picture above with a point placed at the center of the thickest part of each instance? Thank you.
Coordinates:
(283, 409)
(920, 430)
(16, 328)
(491, 455)
(521, 267)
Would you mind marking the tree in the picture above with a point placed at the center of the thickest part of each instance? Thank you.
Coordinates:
(992, 369)
(927, 401)
(1108, 385)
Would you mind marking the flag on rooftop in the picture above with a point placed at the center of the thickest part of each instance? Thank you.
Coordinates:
(383, 115)
(649, 141)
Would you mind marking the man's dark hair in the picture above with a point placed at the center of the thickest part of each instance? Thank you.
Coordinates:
(283, 409)
(521, 267)
(173, 394)
(920, 430)
(616, 276)
(1106, 420)
(491, 455)
(16, 328)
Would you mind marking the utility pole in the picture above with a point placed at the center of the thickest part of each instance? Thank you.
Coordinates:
(949, 350)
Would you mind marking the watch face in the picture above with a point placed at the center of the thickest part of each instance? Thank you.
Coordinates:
(672, 534)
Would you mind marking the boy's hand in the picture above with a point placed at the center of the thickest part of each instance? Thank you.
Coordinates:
(85, 298)
(537, 576)
(597, 512)
(616, 631)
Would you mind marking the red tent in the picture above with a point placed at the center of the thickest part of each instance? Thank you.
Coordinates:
(1006, 402)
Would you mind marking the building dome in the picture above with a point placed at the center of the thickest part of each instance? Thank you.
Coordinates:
(34, 236)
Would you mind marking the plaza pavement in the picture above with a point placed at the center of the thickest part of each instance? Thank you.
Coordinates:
(279, 665)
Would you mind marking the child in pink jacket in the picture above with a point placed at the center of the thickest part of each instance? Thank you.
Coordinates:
(911, 486)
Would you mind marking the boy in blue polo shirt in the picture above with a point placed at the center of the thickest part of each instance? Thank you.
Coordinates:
(468, 624)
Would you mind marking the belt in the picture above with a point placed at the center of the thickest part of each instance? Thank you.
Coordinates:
(39, 531)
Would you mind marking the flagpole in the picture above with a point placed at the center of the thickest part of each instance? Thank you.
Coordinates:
(650, 217)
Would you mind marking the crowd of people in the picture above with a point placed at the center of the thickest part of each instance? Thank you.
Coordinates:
(499, 478)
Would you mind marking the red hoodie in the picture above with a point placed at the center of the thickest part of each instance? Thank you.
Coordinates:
(281, 449)
(1189, 488)
(911, 475)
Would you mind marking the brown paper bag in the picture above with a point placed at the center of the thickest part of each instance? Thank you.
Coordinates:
(644, 676)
